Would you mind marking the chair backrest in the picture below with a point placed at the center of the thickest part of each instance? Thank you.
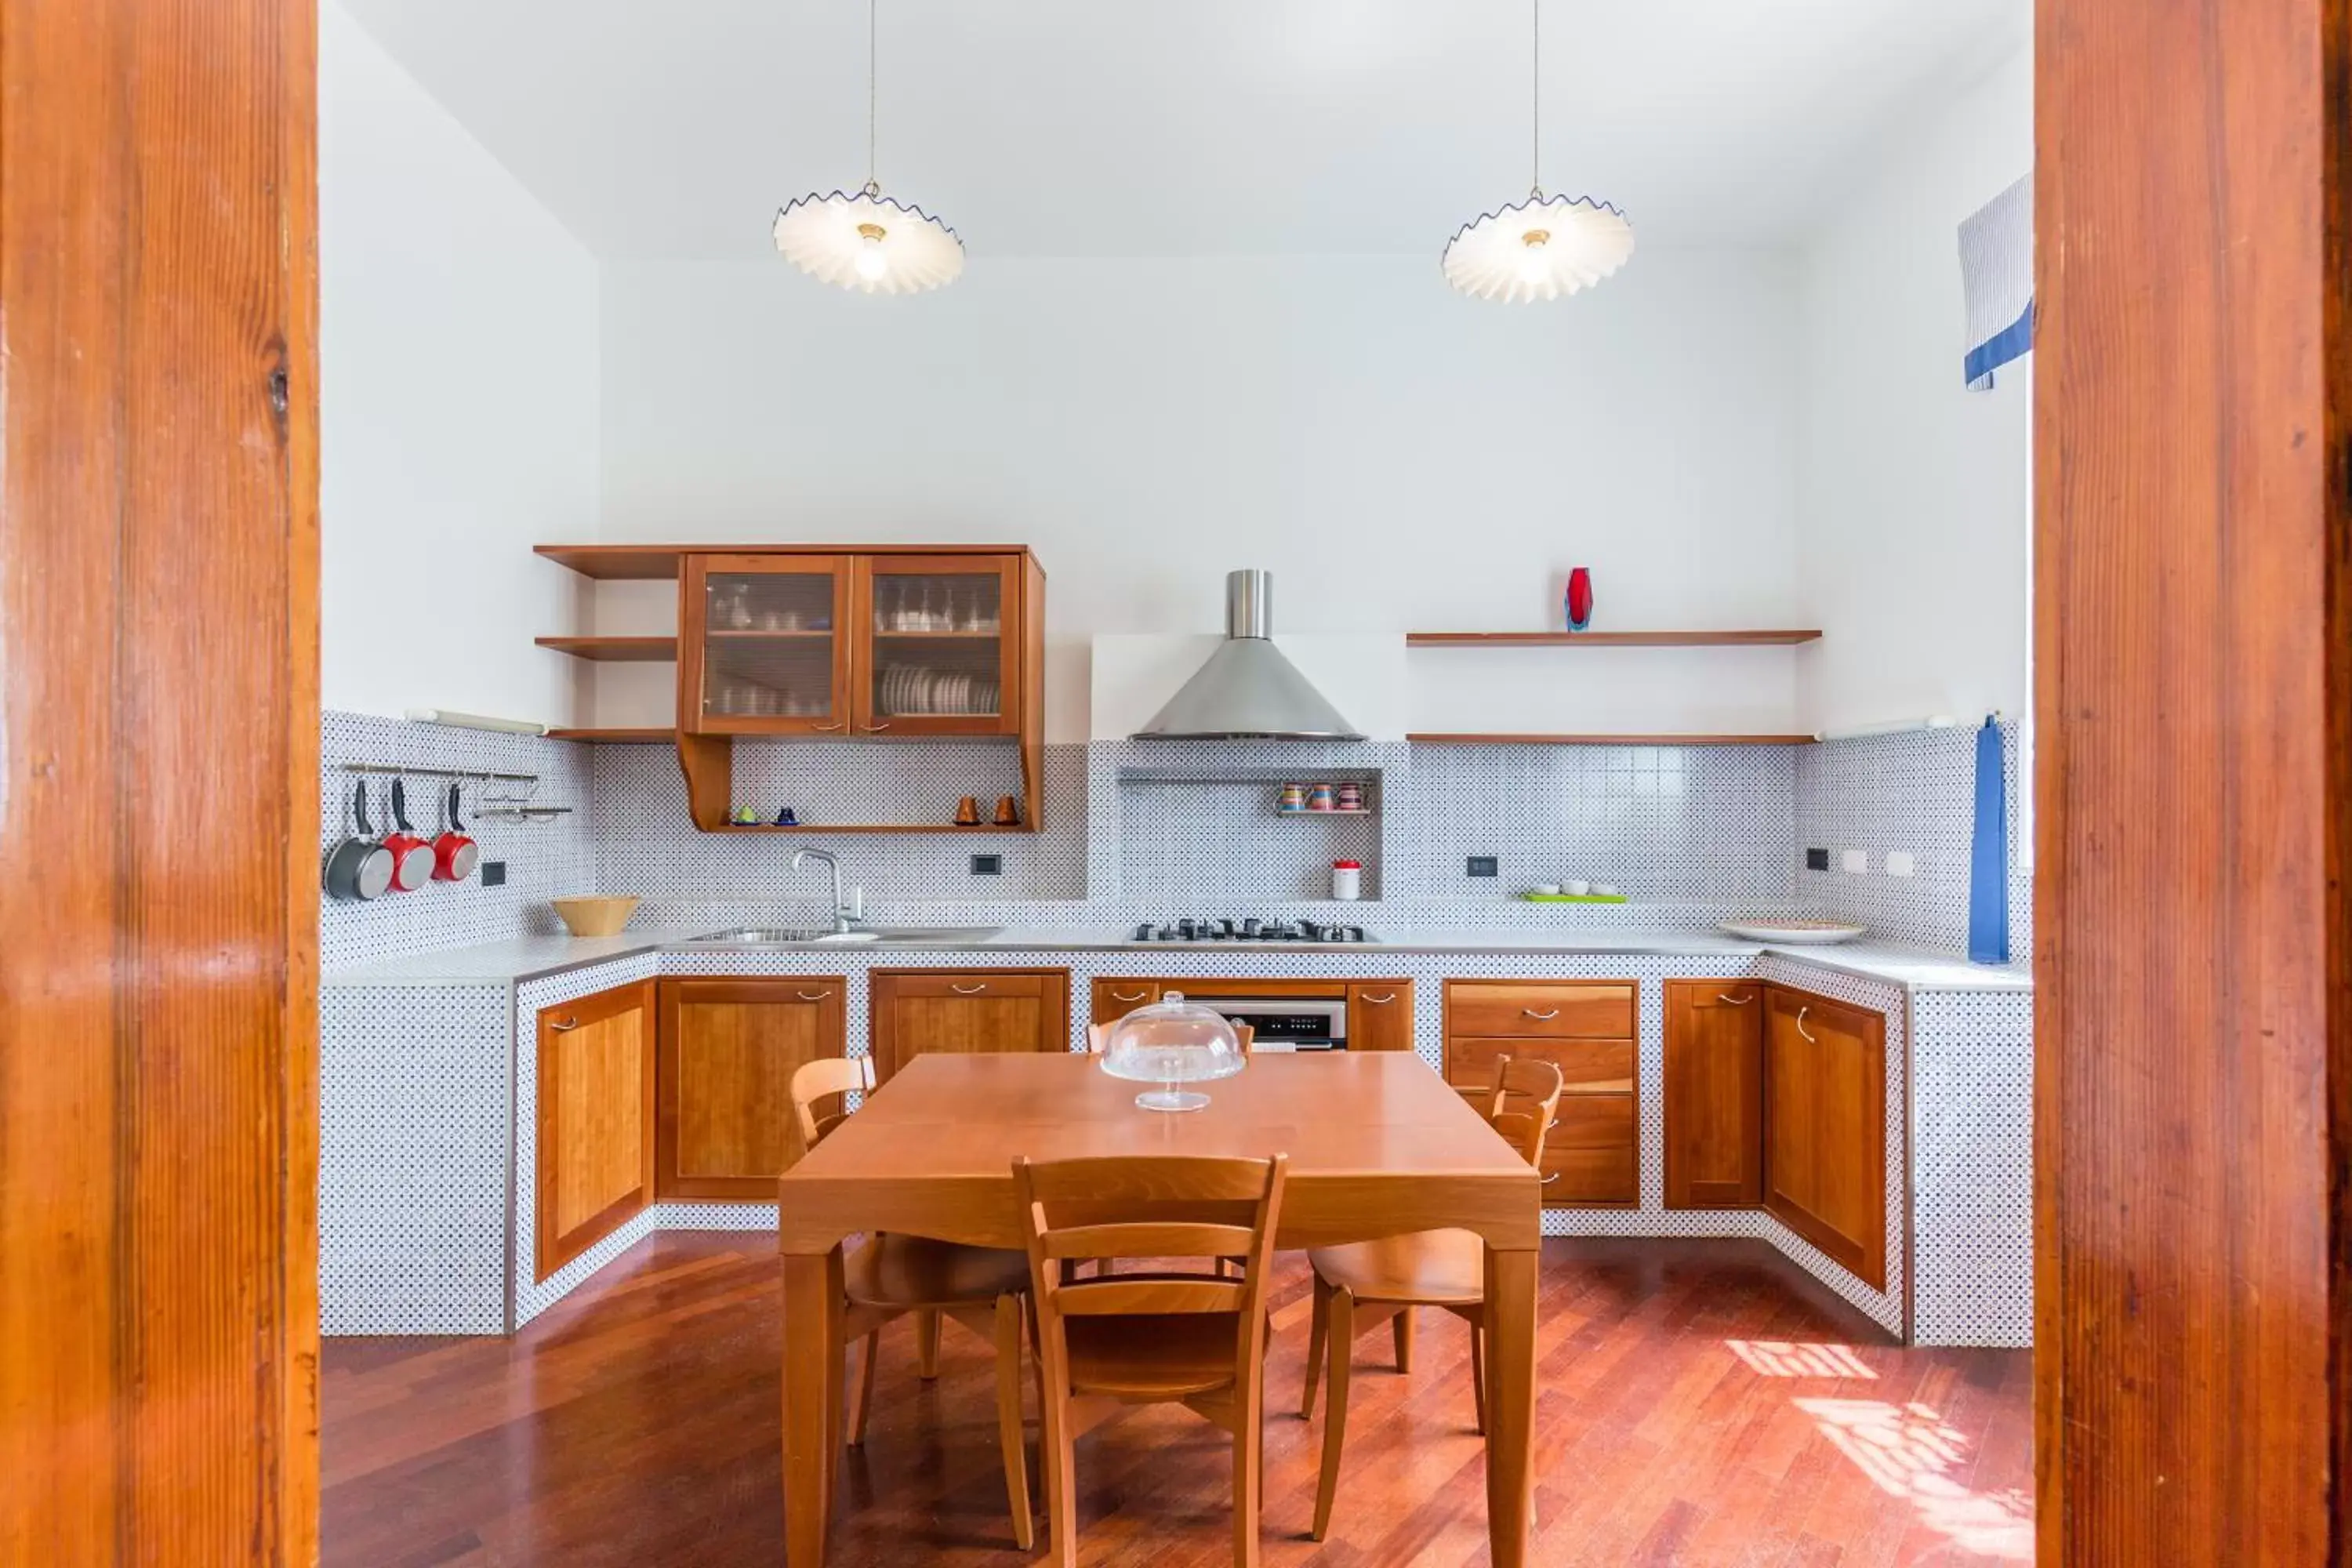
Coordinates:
(1195, 1208)
(1098, 1036)
(1525, 1100)
(827, 1078)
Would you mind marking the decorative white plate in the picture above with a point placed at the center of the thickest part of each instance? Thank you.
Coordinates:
(1793, 932)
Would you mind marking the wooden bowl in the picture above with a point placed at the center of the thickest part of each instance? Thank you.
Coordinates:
(601, 916)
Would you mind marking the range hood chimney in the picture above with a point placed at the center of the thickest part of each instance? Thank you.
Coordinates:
(1248, 691)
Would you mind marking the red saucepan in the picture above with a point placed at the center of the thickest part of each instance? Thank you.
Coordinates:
(412, 856)
(454, 850)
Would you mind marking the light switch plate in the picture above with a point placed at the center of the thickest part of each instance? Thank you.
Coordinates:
(987, 865)
(1483, 865)
(1899, 863)
(1856, 861)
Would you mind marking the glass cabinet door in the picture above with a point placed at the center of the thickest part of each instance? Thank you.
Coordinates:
(944, 636)
(764, 645)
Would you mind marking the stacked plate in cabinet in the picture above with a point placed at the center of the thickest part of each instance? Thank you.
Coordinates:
(910, 690)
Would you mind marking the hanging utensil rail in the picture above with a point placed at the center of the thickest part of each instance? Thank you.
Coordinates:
(480, 775)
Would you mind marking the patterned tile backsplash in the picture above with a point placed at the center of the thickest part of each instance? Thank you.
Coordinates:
(1692, 834)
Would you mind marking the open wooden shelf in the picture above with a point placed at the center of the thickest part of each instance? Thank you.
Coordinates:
(1610, 639)
(1611, 739)
(615, 651)
(864, 827)
(618, 737)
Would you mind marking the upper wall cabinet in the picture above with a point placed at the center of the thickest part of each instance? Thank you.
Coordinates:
(858, 646)
(764, 645)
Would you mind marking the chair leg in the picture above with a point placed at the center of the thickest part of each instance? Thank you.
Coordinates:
(1249, 1492)
(1339, 1342)
(1400, 1331)
(865, 1404)
(1058, 1460)
(1315, 1332)
(1008, 1418)
(927, 1344)
(1478, 1374)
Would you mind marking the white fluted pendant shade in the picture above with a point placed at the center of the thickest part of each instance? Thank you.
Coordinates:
(868, 242)
(1541, 249)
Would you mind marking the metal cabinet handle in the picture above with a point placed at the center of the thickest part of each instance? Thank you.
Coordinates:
(812, 995)
(967, 990)
(560, 1025)
(872, 729)
(1123, 996)
(1553, 1125)
(829, 729)
(1551, 1179)
(1541, 1017)
(1728, 1000)
(1380, 1001)
(1801, 1026)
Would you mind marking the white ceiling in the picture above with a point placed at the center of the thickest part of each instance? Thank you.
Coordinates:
(675, 128)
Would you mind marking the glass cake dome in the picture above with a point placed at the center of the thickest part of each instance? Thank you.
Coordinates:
(1172, 1042)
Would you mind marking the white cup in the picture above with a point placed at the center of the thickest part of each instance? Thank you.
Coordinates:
(1604, 889)
(1548, 889)
(1578, 889)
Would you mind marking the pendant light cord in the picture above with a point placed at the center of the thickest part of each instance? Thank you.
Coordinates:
(1535, 99)
(872, 185)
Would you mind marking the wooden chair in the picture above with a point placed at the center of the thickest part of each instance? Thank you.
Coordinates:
(1360, 1287)
(891, 1277)
(1098, 1036)
(1191, 1338)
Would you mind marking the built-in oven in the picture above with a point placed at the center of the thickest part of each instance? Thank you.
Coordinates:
(1286, 1023)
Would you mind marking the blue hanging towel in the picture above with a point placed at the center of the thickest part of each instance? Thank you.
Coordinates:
(1989, 854)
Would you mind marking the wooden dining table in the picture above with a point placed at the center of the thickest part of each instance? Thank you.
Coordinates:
(1379, 1145)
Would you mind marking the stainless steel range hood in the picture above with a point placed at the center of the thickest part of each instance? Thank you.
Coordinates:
(1248, 691)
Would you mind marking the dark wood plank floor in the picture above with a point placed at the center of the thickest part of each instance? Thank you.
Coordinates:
(1701, 1403)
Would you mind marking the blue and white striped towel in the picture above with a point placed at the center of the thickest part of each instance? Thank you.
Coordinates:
(1997, 281)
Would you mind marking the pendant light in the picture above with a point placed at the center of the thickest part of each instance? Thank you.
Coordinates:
(869, 242)
(1545, 247)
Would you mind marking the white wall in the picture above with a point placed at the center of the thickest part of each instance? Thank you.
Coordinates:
(1399, 457)
(458, 355)
(1913, 491)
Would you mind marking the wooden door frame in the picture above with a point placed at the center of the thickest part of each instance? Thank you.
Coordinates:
(159, 699)
(2193, 912)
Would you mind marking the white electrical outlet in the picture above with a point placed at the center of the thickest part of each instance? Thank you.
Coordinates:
(1898, 863)
(1857, 861)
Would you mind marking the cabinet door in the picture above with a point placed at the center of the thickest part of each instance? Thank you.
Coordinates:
(1714, 1094)
(940, 645)
(972, 1011)
(1380, 1016)
(1825, 1126)
(764, 646)
(594, 1165)
(728, 1052)
(1115, 999)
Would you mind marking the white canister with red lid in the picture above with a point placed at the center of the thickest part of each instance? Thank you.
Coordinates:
(1346, 880)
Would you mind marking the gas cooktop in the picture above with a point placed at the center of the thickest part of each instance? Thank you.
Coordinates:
(1249, 930)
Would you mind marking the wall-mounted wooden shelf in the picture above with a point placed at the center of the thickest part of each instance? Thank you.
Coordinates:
(618, 737)
(615, 651)
(1611, 739)
(1610, 639)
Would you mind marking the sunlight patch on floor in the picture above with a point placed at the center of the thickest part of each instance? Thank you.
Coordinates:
(1908, 1452)
(1781, 1358)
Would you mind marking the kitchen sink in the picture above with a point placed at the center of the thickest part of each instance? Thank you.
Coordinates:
(864, 936)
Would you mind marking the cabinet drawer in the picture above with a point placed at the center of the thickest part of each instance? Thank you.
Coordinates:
(1539, 1009)
(1115, 999)
(907, 985)
(1586, 1066)
(1595, 1177)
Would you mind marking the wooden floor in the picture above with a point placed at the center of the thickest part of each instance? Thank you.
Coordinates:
(1700, 1403)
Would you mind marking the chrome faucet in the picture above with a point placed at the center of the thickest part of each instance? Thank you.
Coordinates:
(843, 922)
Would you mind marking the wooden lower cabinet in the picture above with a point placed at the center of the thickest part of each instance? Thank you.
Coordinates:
(1592, 1153)
(1115, 999)
(727, 1050)
(594, 1158)
(1380, 1016)
(1825, 1126)
(973, 1011)
(1714, 1104)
